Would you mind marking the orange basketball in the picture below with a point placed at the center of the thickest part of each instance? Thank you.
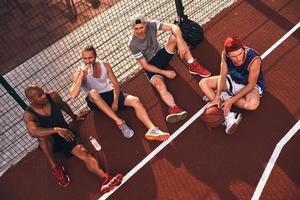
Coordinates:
(213, 117)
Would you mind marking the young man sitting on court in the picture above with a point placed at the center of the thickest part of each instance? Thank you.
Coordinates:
(44, 120)
(240, 82)
(154, 59)
(94, 78)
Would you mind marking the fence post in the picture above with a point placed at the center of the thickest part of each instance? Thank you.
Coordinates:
(179, 8)
(12, 92)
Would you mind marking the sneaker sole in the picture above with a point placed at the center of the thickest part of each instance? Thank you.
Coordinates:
(68, 178)
(174, 118)
(109, 188)
(130, 136)
(233, 128)
(161, 137)
(202, 75)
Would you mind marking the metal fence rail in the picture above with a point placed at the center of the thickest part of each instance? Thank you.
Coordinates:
(53, 67)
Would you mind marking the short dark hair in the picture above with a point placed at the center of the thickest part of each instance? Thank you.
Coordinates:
(29, 89)
(90, 48)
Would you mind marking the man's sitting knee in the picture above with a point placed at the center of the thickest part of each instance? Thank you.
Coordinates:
(253, 105)
(93, 94)
(172, 39)
(80, 148)
(136, 101)
(203, 83)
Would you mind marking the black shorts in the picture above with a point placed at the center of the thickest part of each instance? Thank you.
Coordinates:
(61, 145)
(108, 97)
(160, 60)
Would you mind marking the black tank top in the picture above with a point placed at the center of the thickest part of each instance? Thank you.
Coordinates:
(55, 119)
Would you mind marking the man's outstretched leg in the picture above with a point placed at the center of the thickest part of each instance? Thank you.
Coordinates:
(46, 144)
(108, 182)
(102, 105)
(153, 132)
(194, 66)
(175, 114)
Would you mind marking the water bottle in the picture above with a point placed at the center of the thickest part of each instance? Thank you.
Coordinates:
(95, 143)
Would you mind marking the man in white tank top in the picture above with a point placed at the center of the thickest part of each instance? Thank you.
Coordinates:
(94, 79)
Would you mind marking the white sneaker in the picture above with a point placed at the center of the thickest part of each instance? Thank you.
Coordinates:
(232, 121)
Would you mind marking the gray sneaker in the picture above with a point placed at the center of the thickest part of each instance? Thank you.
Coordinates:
(156, 134)
(126, 131)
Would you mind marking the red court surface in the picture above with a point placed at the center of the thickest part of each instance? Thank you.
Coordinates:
(198, 164)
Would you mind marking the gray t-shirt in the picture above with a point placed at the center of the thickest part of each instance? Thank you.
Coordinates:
(148, 46)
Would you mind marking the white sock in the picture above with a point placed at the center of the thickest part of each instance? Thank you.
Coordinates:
(190, 60)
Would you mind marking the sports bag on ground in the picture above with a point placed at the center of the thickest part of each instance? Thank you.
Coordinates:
(192, 32)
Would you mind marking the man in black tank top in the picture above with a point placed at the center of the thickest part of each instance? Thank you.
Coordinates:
(45, 121)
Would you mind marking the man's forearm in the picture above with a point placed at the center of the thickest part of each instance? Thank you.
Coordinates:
(68, 110)
(248, 88)
(74, 91)
(42, 132)
(177, 32)
(153, 68)
(116, 92)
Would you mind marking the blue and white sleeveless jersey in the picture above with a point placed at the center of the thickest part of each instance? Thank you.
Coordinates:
(240, 74)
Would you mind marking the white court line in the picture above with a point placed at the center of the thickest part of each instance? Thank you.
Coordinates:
(263, 180)
(280, 40)
(185, 125)
(155, 151)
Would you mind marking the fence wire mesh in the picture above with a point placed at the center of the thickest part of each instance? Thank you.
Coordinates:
(41, 43)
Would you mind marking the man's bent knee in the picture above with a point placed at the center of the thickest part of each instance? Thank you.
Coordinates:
(203, 83)
(253, 105)
(135, 100)
(158, 84)
(80, 149)
(172, 39)
(93, 94)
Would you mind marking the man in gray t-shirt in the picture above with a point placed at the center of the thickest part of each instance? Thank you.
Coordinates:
(154, 59)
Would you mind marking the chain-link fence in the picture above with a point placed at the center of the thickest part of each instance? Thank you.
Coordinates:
(49, 59)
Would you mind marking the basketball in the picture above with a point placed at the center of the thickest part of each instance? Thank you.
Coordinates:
(213, 117)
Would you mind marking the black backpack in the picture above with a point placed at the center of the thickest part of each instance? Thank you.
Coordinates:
(192, 32)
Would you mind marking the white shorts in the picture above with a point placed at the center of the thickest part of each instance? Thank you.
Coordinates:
(233, 88)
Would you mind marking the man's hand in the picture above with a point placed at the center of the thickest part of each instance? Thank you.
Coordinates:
(84, 72)
(217, 101)
(169, 74)
(182, 48)
(226, 106)
(81, 115)
(114, 105)
(65, 133)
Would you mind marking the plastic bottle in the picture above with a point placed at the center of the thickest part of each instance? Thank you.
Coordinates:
(95, 143)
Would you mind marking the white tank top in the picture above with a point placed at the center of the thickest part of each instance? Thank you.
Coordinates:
(99, 84)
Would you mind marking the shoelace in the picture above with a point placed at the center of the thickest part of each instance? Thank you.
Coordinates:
(155, 131)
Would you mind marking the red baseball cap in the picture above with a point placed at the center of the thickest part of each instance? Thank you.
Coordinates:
(232, 44)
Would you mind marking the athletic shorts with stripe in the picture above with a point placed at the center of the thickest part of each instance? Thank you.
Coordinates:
(161, 61)
(233, 88)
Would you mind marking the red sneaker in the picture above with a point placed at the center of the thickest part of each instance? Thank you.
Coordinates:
(176, 114)
(110, 183)
(60, 174)
(196, 68)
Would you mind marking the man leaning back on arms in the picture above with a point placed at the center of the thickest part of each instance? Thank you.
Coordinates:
(146, 50)
(44, 120)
